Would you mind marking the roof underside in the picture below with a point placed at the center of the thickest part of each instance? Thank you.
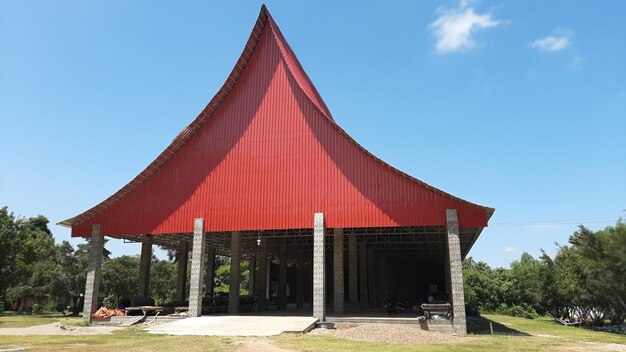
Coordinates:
(265, 154)
(414, 244)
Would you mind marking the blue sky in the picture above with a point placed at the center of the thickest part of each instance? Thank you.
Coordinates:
(518, 105)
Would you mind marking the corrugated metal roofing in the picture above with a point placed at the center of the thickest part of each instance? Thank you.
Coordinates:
(266, 154)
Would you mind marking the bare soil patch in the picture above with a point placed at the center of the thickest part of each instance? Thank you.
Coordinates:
(399, 334)
(59, 329)
(259, 345)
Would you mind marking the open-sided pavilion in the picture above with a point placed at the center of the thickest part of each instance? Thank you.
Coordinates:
(266, 174)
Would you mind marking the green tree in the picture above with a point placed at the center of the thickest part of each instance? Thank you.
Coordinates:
(32, 262)
(222, 275)
(604, 255)
(10, 249)
(163, 276)
(526, 284)
(119, 278)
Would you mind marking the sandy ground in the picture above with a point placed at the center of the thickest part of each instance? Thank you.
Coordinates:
(389, 333)
(225, 325)
(59, 329)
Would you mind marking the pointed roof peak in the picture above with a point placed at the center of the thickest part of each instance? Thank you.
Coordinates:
(266, 37)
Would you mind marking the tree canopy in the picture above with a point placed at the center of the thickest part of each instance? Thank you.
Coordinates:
(585, 280)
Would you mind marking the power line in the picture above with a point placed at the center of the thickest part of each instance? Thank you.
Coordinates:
(558, 222)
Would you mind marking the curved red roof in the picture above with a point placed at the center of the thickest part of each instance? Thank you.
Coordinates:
(266, 154)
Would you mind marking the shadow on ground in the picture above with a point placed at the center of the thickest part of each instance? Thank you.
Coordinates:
(480, 326)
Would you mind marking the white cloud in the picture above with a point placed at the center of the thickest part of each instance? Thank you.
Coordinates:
(454, 27)
(510, 249)
(559, 40)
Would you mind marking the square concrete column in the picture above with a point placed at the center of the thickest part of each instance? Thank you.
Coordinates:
(371, 279)
(456, 272)
(338, 291)
(235, 264)
(94, 268)
(182, 256)
(261, 278)
(353, 272)
(446, 270)
(363, 274)
(197, 268)
(282, 278)
(300, 281)
(381, 276)
(143, 288)
(210, 270)
(319, 268)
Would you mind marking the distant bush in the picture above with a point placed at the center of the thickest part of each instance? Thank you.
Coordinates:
(110, 301)
(37, 309)
(522, 311)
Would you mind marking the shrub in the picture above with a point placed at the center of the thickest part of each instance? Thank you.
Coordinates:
(37, 309)
(523, 311)
(110, 301)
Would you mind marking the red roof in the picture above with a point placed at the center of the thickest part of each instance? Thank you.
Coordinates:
(265, 154)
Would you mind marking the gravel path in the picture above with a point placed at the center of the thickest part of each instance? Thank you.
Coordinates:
(388, 333)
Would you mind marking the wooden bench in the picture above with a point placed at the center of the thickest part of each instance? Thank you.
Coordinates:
(441, 309)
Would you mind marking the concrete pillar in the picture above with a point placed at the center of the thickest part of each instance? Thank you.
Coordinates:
(197, 268)
(446, 270)
(363, 274)
(382, 279)
(94, 268)
(143, 288)
(209, 283)
(300, 281)
(261, 285)
(235, 263)
(182, 256)
(371, 279)
(268, 281)
(319, 268)
(338, 286)
(282, 278)
(353, 272)
(456, 272)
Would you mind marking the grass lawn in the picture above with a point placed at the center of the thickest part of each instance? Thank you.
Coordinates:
(10, 320)
(522, 335)
(129, 339)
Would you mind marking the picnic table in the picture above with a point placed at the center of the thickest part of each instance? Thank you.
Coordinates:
(181, 309)
(145, 310)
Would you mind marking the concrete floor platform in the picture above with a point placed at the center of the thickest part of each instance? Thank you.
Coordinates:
(236, 325)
